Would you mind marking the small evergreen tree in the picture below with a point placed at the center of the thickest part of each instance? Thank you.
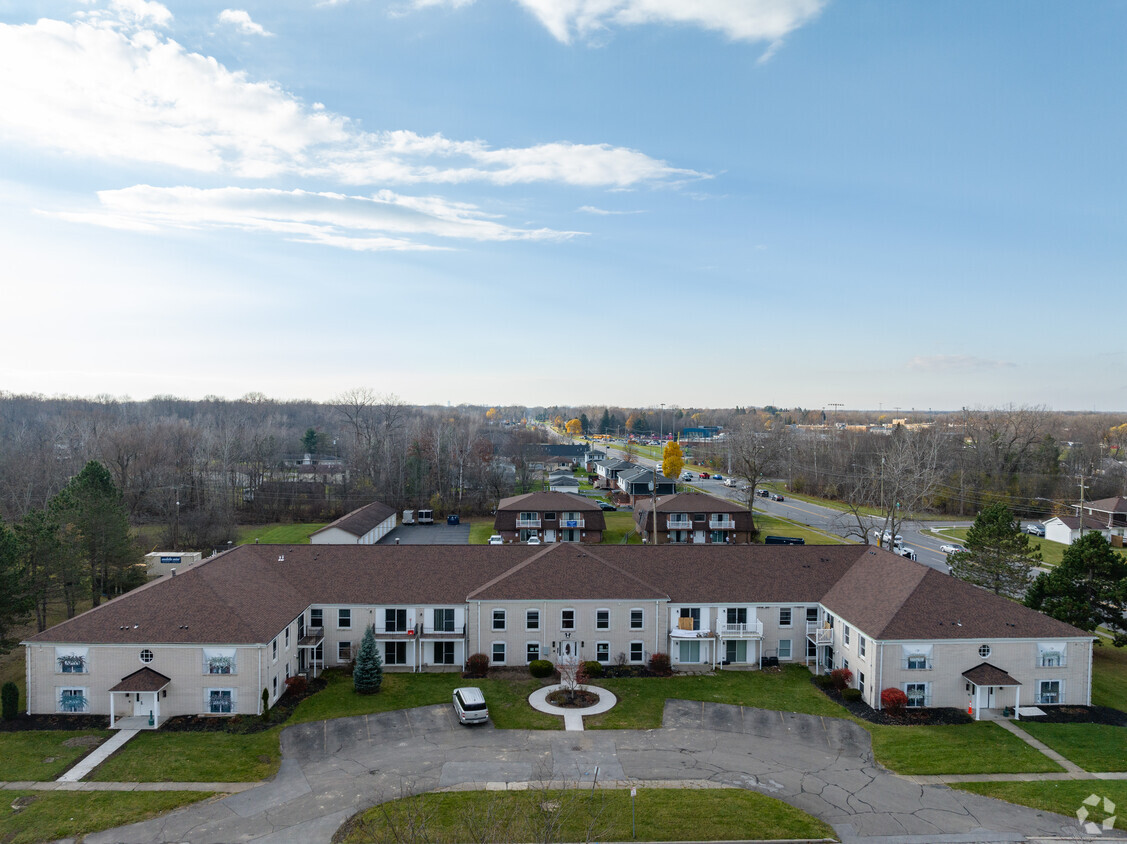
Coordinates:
(1087, 590)
(9, 700)
(265, 704)
(998, 556)
(368, 673)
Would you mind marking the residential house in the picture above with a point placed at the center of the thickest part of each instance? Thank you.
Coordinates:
(1066, 529)
(364, 526)
(641, 482)
(563, 481)
(210, 640)
(694, 518)
(550, 517)
(607, 471)
(1112, 513)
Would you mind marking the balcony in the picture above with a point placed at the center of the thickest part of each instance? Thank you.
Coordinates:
(721, 523)
(528, 523)
(688, 628)
(819, 634)
(740, 630)
(312, 638)
(678, 524)
(572, 523)
(447, 631)
(916, 664)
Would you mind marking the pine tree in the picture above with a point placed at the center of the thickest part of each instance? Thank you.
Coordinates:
(368, 673)
(15, 601)
(604, 423)
(1087, 590)
(998, 556)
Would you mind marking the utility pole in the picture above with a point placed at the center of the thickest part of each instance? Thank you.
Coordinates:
(1080, 512)
(661, 430)
(653, 502)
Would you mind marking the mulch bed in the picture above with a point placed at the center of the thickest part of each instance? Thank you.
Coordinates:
(579, 699)
(55, 722)
(911, 717)
(244, 724)
(1079, 715)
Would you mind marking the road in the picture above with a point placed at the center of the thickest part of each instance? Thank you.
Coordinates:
(829, 520)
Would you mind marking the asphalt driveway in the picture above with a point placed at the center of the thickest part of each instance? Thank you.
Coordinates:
(332, 769)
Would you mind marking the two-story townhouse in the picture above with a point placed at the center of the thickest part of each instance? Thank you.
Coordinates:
(694, 518)
(550, 517)
(607, 471)
(640, 482)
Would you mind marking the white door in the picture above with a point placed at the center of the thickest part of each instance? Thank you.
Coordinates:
(567, 652)
(140, 705)
(989, 697)
(698, 537)
(549, 535)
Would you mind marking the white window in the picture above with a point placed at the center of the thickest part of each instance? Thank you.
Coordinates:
(316, 617)
(637, 651)
(984, 651)
(1050, 691)
(784, 616)
(688, 651)
(567, 619)
(498, 619)
(274, 649)
(73, 699)
(219, 661)
(71, 660)
(532, 620)
(919, 694)
(811, 613)
(531, 651)
(916, 657)
(344, 651)
(602, 619)
(861, 682)
(1050, 654)
(287, 638)
(344, 619)
(637, 619)
(146, 656)
(861, 645)
(845, 663)
(498, 655)
(602, 652)
(784, 649)
(735, 651)
(220, 701)
(845, 633)
(395, 621)
(444, 620)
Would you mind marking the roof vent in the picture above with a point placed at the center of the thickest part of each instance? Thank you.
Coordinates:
(135, 626)
(281, 558)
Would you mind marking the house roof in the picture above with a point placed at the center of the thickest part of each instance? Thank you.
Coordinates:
(362, 520)
(985, 674)
(1073, 522)
(248, 594)
(542, 501)
(615, 463)
(142, 680)
(1118, 504)
(693, 502)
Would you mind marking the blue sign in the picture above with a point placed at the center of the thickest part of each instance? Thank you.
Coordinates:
(571, 524)
(173, 560)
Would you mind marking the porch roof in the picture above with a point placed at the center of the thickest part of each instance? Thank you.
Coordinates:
(985, 674)
(142, 680)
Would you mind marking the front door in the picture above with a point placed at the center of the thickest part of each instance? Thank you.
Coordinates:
(989, 697)
(141, 706)
(698, 537)
(549, 535)
(567, 652)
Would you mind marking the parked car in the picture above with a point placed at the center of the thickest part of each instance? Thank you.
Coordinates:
(1035, 528)
(778, 496)
(453, 519)
(535, 540)
(496, 539)
(469, 705)
(952, 549)
(604, 505)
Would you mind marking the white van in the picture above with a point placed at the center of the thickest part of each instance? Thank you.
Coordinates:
(469, 705)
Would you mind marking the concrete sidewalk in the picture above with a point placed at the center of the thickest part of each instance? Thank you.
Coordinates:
(99, 755)
(58, 785)
(1041, 747)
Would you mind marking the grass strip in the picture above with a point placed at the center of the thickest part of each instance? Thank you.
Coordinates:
(43, 755)
(160, 756)
(582, 815)
(33, 816)
(978, 748)
(1065, 797)
(1109, 676)
(1094, 747)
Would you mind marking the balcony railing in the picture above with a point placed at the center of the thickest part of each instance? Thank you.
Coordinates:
(1051, 661)
(916, 664)
(572, 523)
(748, 629)
(678, 524)
(722, 524)
(528, 523)
(819, 634)
(446, 630)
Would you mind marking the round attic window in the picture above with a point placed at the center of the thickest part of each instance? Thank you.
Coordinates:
(146, 656)
(984, 651)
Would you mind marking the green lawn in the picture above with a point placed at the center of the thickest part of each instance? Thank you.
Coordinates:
(1109, 676)
(774, 526)
(507, 699)
(580, 815)
(49, 816)
(1061, 796)
(481, 528)
(41, 755)
(1051, 552)
(642, 699)
(1094, 747)
(978, 748)
(277, 534)
(160, 756)
(620, 523)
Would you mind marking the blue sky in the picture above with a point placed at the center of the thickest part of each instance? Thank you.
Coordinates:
(689, 202)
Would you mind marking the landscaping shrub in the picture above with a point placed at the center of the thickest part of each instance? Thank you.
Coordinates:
(265, 704)
(823, 681)
(851, 694)
(594, 669)
(539, 668)
(841, 677)
(477, 665)
(296, 684)
(368, 675)
(660, 665)
(10, 697)
(893, 700)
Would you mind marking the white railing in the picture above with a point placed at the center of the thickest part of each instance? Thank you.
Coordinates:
(1053, 661)
(742, 628)
(819, 634)
(916, 664)
(678, 524)
(528, 523)
(572, 523)
(722, 524)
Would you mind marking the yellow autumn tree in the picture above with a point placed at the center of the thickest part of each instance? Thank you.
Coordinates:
(574, 427)
(491, 414)
(672, 460)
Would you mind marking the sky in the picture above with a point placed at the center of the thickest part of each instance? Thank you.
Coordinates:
(696, 203)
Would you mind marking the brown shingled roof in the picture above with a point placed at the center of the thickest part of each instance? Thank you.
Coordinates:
(548, 502)
(362, 520)
(142, 680)
(985, 674)
(567, 571)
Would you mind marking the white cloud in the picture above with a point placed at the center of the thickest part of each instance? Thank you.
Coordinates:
(99, 89)
(591, 209)
(142, 12)
(384, 221)
(955, 363)
(241, 20)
